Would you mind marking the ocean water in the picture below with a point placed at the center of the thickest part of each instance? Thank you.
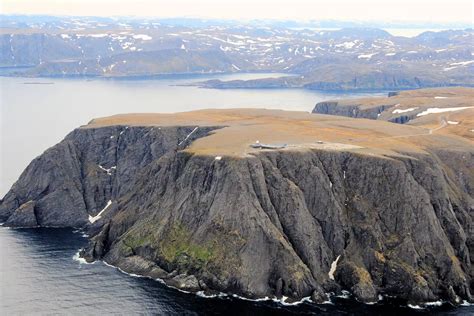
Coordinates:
(37, 113)
(38, 275)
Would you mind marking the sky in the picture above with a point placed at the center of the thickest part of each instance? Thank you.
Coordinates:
(442, 11)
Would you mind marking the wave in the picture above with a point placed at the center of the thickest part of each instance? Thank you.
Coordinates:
(428, 304)
(80, 231)
(344, 295)
(202, 294)
(435, 303)
(283, 300)
(79, 259)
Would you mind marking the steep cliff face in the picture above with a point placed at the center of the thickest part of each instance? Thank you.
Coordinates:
(355, 110)
(422, 107)
(272, 223)
(75, 178)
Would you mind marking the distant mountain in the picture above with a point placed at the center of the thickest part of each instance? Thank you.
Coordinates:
(358, 58)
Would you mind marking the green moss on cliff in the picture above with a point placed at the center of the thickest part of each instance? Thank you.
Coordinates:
(178, 248)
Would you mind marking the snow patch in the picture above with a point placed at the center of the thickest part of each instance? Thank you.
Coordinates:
(442, 110)
(333, 268)
(366, 56)
(347, 45)
(440, 97)
(195, 129)
(462, 63)
(143, 37)
(449, 68)
(93, 219)
(98, 35)
(404, 111)
(453, 123)
(109, 171)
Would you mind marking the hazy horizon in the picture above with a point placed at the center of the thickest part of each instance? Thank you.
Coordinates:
(390, 11)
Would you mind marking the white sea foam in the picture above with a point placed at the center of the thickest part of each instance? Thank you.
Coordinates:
(283, 300)
(78, 258)
(202, 294)
(345, 295)
(435, 303)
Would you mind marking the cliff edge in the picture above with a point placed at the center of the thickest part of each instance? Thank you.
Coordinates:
(361, 205)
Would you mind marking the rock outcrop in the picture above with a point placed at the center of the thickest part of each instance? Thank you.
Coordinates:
(272, 223)
(23, 216)
(354, 110)
(408, 106)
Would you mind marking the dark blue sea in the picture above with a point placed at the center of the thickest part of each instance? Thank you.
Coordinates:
(39, 276)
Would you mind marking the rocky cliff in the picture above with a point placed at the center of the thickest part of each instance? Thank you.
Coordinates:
(295, 222)
(409, 106)
(353, 110)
